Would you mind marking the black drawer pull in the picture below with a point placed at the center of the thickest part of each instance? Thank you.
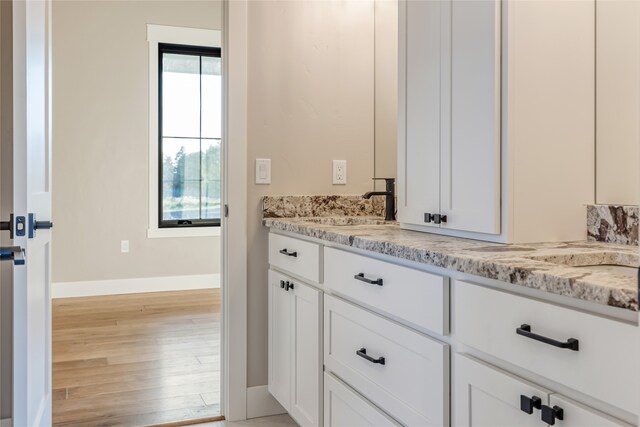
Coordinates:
(287, 253)
(363, 353)
(525, 331)
(550, 415)
(528, 404)
(361, 277)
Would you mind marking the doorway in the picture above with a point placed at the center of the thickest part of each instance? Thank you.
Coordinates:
(136, 204)
(234, 361)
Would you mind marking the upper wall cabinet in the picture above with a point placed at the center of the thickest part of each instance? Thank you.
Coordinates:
(496, 118)
(449, 154)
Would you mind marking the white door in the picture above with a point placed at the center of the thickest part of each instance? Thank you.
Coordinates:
(306, 375)
(577, 415)
(32, 195)
(488, 397)
(419, 111)
(279, 325)
(470, 168)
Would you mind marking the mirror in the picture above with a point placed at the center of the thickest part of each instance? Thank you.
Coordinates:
(617, 95)
(386, 89)
(617, 102)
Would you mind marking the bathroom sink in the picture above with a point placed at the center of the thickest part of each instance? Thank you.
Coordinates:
(336, 221)
(611, 262)
(620, 270)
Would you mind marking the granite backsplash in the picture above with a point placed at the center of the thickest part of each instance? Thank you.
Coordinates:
(613, 224)
(321, 206)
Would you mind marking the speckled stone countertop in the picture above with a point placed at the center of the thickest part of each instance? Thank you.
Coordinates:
(550, 267)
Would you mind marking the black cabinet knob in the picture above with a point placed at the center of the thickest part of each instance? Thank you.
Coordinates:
(282, 284)
(437, 219)
(428, 217)
(288, 285)
(550, 415)
(528, 404)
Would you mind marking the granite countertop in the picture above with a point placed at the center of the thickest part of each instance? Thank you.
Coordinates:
(550, 267)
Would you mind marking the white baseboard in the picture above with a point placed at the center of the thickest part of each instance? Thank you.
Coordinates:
(260, 403)
(134, 286)
(6, 422)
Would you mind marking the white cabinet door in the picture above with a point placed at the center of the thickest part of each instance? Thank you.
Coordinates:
(306, 375)
(486, 396)
(577, 415)
(419, 111)
(343, 407)
(470, 168)
(279, 339)
(449, 114)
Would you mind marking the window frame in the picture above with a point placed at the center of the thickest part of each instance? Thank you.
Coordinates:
(174, 35)
(179, 49)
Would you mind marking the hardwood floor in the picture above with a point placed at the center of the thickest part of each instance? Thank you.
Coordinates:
(137, 359)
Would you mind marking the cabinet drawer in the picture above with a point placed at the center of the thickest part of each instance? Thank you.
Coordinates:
(345, 408)
(605, 365)
(401, 371)
(295, 256)
(406, 294)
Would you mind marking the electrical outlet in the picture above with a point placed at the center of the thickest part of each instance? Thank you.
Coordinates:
(340, 172)
(124, 246)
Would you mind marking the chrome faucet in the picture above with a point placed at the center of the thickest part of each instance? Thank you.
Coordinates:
(390, 200)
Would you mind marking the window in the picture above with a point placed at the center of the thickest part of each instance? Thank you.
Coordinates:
(189, 135)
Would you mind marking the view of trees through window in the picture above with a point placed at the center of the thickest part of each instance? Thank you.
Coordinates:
(190, 135)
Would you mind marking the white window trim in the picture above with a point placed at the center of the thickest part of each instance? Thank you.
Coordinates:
(175, 35)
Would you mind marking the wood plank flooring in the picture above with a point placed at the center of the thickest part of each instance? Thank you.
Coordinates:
(137, 359)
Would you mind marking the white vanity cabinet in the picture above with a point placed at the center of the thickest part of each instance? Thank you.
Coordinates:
(295, 352)
(485, 102)
(371, 344)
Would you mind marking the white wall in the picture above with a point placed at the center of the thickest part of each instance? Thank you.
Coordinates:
(100, 139)
(311, 89)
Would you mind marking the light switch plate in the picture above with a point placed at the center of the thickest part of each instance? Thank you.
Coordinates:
(263, 171)
(124, 246)
(340, 172)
